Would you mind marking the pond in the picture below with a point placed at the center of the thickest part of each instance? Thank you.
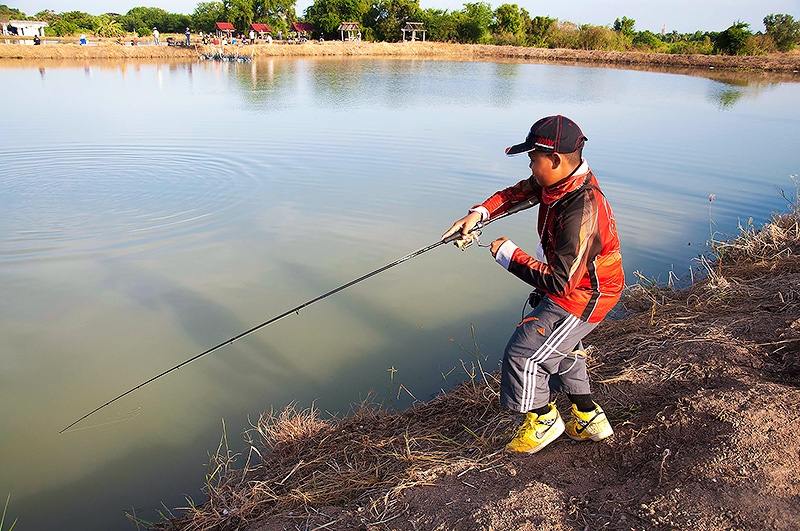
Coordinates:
(151, 210)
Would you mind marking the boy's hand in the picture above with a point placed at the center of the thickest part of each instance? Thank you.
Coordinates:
(495, 246)
(465, 224)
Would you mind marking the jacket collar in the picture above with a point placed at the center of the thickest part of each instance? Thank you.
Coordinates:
(572, 182)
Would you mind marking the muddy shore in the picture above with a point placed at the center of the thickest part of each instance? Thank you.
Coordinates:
(778, 62)
(701, 385)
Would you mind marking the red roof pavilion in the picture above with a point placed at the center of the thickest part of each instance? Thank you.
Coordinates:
(260, 27)
(225, 26)
(302, 27)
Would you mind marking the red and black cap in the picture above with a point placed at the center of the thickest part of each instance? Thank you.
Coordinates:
(553, 134)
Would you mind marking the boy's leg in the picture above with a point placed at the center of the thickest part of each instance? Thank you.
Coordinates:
(534, 336)
(588, 420)
(534, 352)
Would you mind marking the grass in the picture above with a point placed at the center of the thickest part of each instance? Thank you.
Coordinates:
(3, 517)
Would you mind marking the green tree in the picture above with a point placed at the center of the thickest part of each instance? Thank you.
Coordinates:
(440, 25)
(62, 28)
(145, 17)
(84, 22)
(733, 40)
(239, 13)
(47, 15)
(539, 31)
(107, 26)
(474, 22)
(11, 13)
(279, 14)
(625, 26)
(509, 18)
(784, 30)
(206, 14)
(387, 17)
(647, 40)
(326, 15)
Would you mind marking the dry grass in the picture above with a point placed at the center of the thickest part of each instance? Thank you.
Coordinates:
(777, 62)
(297, 460)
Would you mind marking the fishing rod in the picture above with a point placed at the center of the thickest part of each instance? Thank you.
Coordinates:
(296, 310)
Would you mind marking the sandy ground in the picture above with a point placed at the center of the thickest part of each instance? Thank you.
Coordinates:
(779, 62)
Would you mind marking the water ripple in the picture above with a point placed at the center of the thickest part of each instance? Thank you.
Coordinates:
(67, 200)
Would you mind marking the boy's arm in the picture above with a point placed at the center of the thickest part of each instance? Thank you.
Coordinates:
(568, 265)
(501, 201)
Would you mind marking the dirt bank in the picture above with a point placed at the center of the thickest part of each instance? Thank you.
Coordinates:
(778, 62)
(702, 387)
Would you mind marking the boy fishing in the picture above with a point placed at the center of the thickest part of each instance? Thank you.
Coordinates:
(577, 275)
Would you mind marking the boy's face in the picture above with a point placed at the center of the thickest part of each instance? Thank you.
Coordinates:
(543, 167)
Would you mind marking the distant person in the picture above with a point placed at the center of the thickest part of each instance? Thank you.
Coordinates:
(359, 37)
(252, 37)
(155, 37)
(188, 37)
(280, 35)
(577, 276)
(36, 40)
(269, 38)
(83, 40)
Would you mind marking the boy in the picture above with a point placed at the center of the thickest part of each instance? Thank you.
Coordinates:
(577, 273)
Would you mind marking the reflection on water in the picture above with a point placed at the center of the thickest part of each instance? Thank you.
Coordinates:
(152, 210)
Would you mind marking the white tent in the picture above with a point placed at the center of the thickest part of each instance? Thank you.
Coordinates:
(27, 28)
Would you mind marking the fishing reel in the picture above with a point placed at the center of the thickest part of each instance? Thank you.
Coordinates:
(466, 242)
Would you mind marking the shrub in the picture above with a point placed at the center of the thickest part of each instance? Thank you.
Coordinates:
(733, 40)
(506, 38)
(784, 30)
(705, 47)
(564, 35)
(539, 31)
(649, 41)
(759, 45)
(592, 37)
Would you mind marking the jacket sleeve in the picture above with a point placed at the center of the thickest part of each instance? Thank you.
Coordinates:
(568, 261)
(503, 200)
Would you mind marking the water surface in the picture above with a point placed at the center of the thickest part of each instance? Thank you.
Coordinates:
(151, 210)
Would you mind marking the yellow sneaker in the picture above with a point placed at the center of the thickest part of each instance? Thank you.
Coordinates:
(592, 426)
(536, 431)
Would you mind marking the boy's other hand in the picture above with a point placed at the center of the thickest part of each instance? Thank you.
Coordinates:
(465, 224)
(495, 246)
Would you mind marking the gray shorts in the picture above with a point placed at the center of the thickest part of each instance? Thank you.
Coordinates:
(539, 356)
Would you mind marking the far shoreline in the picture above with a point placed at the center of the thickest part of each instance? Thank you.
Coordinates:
(784, 63)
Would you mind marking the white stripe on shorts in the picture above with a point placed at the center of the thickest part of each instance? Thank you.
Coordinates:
(556, 337)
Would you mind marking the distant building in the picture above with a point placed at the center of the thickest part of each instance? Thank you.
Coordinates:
(27, 28)
(411, 28)
(351, 28)
(262, 29)
(303, 29)
(224, 29)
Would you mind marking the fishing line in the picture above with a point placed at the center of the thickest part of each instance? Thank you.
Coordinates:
(296, 310)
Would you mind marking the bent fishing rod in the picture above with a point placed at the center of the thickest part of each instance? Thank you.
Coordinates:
(296, 310)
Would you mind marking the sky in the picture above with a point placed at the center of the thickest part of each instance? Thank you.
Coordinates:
(680, 15)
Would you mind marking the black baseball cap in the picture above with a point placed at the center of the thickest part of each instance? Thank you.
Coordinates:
(553, 134)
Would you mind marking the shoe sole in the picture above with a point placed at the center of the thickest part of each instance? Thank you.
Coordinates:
(596, 437)
(554, 433)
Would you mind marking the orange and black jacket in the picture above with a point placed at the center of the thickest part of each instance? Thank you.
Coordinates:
(581, 266)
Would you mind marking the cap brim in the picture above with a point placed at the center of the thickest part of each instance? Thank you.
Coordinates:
(518, 149)
(526, 147)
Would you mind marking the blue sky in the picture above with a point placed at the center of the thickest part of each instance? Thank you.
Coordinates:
(682, 15)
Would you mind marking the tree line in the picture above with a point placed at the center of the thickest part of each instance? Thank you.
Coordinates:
(381, 20)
